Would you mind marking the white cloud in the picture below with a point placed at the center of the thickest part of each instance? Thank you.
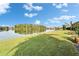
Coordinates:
(61, 18)
(38, 8)
(4, 8)
(65, 4)
(60, 5)
(31, 14)
(30, 7)
(53, 21)
(37, 22)
(65, 17)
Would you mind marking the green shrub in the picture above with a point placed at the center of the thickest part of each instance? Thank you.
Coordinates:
(64, 27)
(77, 31)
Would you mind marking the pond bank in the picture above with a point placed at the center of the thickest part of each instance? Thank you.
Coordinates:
(7, 45)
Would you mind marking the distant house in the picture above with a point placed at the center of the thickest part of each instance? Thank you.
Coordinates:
(58, 28)
(50, 28)
(76, 24)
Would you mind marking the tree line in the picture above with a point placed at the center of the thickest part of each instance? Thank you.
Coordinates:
(73, 27)
(4, 28)
(29, 28)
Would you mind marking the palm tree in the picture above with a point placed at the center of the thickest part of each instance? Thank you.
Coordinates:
(71, 28)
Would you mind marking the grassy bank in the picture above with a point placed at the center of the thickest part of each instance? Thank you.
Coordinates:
(49, 43)
(45, 45)
(8, 44)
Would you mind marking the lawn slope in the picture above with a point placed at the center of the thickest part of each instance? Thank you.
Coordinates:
(46, 45)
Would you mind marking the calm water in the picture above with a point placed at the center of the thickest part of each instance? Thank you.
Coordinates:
(9, 34)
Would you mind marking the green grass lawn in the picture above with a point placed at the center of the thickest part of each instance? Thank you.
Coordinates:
(47, 44)
(8, 44)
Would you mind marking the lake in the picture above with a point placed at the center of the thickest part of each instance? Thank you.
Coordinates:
(9, 35)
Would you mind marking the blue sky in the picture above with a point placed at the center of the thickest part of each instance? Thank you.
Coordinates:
(49, 14)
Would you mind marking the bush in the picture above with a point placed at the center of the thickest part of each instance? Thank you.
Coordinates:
(64, 27)
(71, 33)
(77, 31)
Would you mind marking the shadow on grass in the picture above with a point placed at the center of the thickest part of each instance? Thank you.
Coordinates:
(70, 39)
(45, 45)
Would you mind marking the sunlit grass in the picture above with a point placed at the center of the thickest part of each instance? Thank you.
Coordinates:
(45, 45)
(47, 40)
(6, 45)
(59, 33)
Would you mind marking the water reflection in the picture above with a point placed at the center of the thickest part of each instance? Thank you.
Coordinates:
(9, 34)
(20, 30)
